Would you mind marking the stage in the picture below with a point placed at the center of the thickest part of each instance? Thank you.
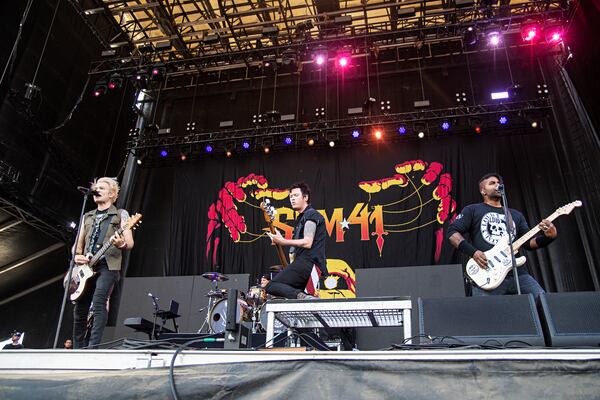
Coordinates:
(298, 374)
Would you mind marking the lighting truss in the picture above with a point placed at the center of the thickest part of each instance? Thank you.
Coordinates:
(230, 33)
(347, 125)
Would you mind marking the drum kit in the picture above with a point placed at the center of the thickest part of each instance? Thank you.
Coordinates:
(250, 307)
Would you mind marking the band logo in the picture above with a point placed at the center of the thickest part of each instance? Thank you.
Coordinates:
(417, 195)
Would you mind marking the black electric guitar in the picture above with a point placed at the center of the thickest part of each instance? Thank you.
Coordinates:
(269, 214)
(82, 273)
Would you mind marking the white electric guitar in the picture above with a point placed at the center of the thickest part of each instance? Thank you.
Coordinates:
(81, 273)
(499, 257)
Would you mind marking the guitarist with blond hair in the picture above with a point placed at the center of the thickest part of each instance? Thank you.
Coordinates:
(485, 224)
(98, 226)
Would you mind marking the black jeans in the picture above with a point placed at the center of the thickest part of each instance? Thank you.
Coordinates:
(98, 292)
(292, 280)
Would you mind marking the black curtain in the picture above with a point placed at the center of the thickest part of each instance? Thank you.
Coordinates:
(176, 199)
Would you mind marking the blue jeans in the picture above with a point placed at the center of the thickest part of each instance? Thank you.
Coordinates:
(526, 282)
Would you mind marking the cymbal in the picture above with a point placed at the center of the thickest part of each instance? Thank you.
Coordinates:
(219, 294)
(275, 268)
(215, 276)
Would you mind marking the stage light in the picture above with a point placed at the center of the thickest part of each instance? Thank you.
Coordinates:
(310, 141)
(503, 120)
(245, 145)
(402, 130)
(445, 125)
(386, 106)
(534, 124)
(320, 55)
(554, 34)
(266, 149)
(139, 161)
(72, 225)
(478, 129)
(542, 91)
(158, 72)
(164, 153)
(355, 133)
(343, 60)
(100, 88)
(141, 75)
(421, 134)
(208, 148)
(115, 82)
(499, 95)
(378, 133)
(228, 153)
(287, 140)
(470, 36)
(331, 143)
(494, 36)
(182, 157)
(529, 32)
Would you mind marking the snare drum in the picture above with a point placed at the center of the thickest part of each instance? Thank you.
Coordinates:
(256, 296)
(218, 315)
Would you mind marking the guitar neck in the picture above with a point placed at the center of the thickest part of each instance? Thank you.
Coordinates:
(280, 251)
(534, 231)
(103, 249)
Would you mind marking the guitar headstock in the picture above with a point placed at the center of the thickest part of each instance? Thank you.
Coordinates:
(567, 208)
(133, 222)
(269, 210)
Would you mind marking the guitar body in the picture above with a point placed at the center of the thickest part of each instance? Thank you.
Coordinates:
(81, 275)
(499, 257)
(499, 265)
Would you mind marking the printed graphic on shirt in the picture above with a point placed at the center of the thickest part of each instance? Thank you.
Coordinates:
(493, 227)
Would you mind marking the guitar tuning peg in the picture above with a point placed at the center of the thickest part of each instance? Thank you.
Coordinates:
(267, 201)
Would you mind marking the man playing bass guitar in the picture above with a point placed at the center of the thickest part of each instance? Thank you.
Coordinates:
(99, 225)
(485, 224)
(307, 247)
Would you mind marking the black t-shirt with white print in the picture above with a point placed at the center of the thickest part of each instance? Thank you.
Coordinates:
(483, 225)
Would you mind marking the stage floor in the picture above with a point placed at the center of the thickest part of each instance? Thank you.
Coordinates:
(44, 361)
(217, 374)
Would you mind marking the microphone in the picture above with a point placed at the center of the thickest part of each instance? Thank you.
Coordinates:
(500, 187)
(153, 297)
(87, 191)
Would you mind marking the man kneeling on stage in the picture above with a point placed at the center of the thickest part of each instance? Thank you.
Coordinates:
(307, 247)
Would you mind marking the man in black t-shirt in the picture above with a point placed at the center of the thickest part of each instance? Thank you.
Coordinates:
(485, 224)
(307, 247)
(15, 345)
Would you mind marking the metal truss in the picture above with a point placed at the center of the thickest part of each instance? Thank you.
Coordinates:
(341, 129)
(221, 33)
(26, 217)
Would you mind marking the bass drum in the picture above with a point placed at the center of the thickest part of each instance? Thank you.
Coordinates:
(218, 315)
(278, 327)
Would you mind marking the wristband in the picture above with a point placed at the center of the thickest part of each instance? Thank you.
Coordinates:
(543, 241)
(467, 248)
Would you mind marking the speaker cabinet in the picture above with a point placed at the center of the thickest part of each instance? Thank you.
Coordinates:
(571, 319)
(481, 320)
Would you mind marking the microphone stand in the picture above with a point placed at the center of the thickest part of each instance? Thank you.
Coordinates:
(509, 229)
(156, 308)
(86, 193)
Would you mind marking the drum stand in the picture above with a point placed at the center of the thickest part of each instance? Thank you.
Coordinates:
(212, 295)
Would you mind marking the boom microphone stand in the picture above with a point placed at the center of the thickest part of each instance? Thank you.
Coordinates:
(86, 192)
(511, 229)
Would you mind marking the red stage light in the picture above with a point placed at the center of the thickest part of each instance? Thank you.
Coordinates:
(378, 133)
(183, 157)
(343, 61)
(529, 33)
(477, 129)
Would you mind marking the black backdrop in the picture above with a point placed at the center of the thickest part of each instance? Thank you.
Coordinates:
(176, 198)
